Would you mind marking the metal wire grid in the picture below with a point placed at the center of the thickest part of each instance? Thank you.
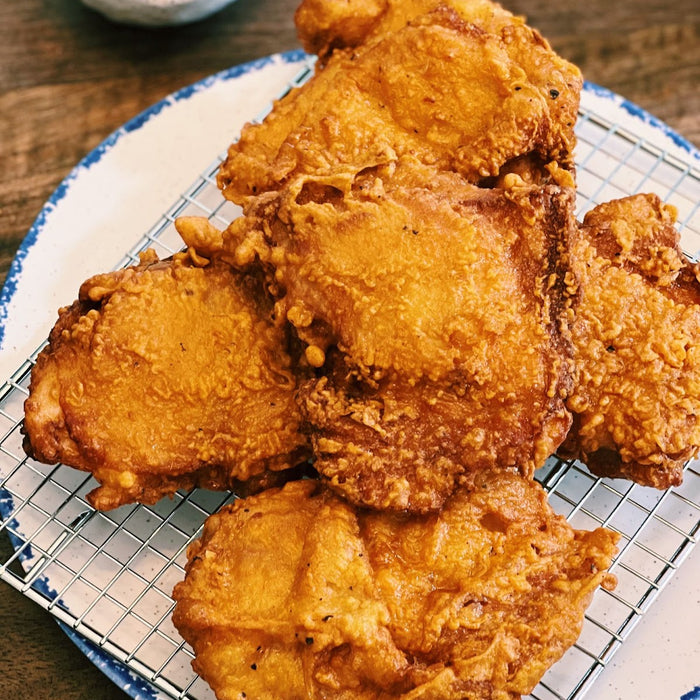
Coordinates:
(109, 576)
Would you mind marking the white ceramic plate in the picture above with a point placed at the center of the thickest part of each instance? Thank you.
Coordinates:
(125, 185)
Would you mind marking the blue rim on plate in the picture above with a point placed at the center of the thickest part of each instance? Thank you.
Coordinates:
(132, 684)
(638, 112)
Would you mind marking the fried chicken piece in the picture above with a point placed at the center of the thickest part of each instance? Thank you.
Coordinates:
(453, 88)
(445, 303)
(326, 25)
(294, 593)
(636, 398)
(166, 375)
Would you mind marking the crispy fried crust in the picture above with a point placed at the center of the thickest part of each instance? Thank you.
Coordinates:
(293, 593)
(449, 89)
(449, 329)
(442, 306)
(636, 398)
(163, 376)
(326, 25)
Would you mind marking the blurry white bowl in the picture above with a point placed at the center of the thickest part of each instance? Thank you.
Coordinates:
(156, 13)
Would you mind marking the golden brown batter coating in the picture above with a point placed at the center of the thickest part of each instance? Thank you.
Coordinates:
(293, 593)
(162, 376)
(446, 89)
(636, 398)
(326, 25)
(443, 304)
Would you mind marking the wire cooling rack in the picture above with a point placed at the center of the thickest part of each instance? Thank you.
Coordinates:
(109, 576)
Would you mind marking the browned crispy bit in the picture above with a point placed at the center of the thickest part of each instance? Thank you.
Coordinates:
(636, 398)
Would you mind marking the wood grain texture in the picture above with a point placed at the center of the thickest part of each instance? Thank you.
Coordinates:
(68, 78)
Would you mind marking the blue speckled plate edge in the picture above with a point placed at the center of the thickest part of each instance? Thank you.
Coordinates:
(643, 117)
(132, 684)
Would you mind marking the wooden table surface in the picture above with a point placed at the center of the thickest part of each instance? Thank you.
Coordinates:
(68, 78)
